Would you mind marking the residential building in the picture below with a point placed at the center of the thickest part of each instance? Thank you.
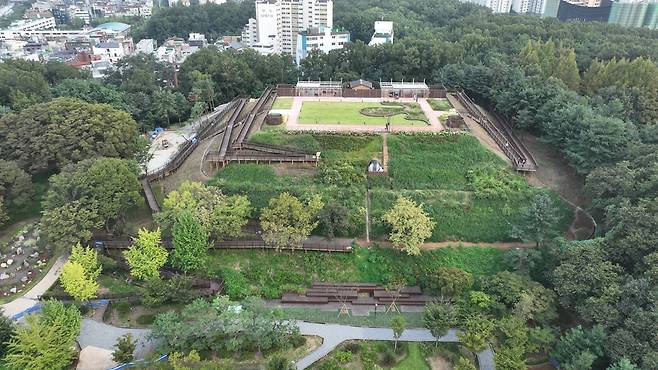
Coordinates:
(33, 24)
(175, 50)
(109, 50)
(633, 13)
(279, 24)
(146, 46)
(383, 33)
(197, 39)
(528, 6)
(323, 38)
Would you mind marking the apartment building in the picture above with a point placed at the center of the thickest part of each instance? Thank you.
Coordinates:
(383, 33)
(319, 38)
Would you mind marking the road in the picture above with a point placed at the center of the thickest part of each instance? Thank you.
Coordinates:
(333, 335)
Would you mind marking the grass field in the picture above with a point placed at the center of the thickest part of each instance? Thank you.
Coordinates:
(346, 113)
(414, 360)
(439, 104)
(282, 103)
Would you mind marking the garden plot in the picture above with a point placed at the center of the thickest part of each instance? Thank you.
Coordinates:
(360, 113)
(22, 260)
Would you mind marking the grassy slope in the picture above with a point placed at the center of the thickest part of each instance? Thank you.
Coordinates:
(346, 113)
(414, 359)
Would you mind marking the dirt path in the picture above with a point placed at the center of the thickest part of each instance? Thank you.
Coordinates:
(438, 245)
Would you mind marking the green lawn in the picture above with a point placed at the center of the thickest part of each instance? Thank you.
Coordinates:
(282, 103)
(414, 360)
(346, 113)
(439, 104)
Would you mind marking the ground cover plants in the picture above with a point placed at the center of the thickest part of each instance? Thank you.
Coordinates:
(359, 113)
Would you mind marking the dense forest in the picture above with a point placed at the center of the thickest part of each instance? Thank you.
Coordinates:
(588, 89)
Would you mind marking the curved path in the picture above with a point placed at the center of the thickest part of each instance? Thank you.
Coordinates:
(334, 335)
(21, 305)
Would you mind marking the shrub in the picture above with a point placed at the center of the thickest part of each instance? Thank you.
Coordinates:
(353, 347)
(388, 358)
(298, 341)
(344, 356)
(329, 364)
(147, 319)
(123, 308)
(280, 363)
(235, 284)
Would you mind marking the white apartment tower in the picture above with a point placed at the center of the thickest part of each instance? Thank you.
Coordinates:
(528, 6)
(279, 22)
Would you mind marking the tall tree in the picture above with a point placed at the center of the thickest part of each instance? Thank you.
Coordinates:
(410, 225)
(539, 221)
(75, 282)
(190, 242)
(398, 325)
(146, 255)
(287, 222)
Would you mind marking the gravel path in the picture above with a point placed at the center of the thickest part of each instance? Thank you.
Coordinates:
(334, 335)
(431, 115)
(31, 298)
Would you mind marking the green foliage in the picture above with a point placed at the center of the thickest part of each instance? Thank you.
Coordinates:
(410, 226)
(450, 282)
(528, 299)
(478, 332)
(46, 340)
(6, 332)
(343, 356)
(464, 364)
(623, 364)
(86, 196)
(552, 61)
(237, 286)
(254, 327)
(75, 282)
(439, 317)
(15, 184)
(190, 242)
(66, 131)
(124, 349)
(287, 222)
(88, 259)
(579, 348)
(334, 220)
(91, 91)
(280, 363)
(147, 255)
(176, 289)
(398, 325)
(439, 104)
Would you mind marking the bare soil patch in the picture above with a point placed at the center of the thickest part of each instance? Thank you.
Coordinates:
(437, 362)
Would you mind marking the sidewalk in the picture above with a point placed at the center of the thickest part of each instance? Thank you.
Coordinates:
(333, 335)
(31, 298)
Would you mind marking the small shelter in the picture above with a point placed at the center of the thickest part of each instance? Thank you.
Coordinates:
(403, 89)
(375, 166)
(319, 88)
(360, 85)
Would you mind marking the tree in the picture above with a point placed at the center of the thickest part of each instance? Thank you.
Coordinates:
(91, 194)
(623, 364)
(15, 184)
(538, 222)
(280, 363)
(92, 91)
(439, 318)
(410, 226)
(146, 255)
(398, 325)
(334, 219)
(6, 332)
(65, 131)
(75, 282)
(579, 348)
(451, 282)
(464, 364)
(190, 243)
(478, 332)
(222, 215)
(287, 222)
(46, 340)
(88, 259)
(124, 349)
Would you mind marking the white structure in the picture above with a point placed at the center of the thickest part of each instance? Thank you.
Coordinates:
(146, 46)
(33, 24)
(496, 6)
(279, 23)
(175, 51)
(109, 50)
(528, 6)
(80, 12)
(383, 33)
(319, 39)
(197, 39)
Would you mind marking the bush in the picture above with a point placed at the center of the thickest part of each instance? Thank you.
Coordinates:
(388, 358)
(235, 283)
(108, 264)
(147, 319)
(280, 363)
(123, 307)
(344, 356)
(329, 364)
(298, 341)
(177, 289)
(353, 347)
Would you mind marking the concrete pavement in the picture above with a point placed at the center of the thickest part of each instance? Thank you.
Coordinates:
(31, 298)
(334, 335)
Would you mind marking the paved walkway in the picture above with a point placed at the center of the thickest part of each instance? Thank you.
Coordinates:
(31, 298)
(334, 335)
(100, 335)
(430, 113)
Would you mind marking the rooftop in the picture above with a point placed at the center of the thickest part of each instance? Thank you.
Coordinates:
(113, 26)
(403, 85)
(309, 84)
